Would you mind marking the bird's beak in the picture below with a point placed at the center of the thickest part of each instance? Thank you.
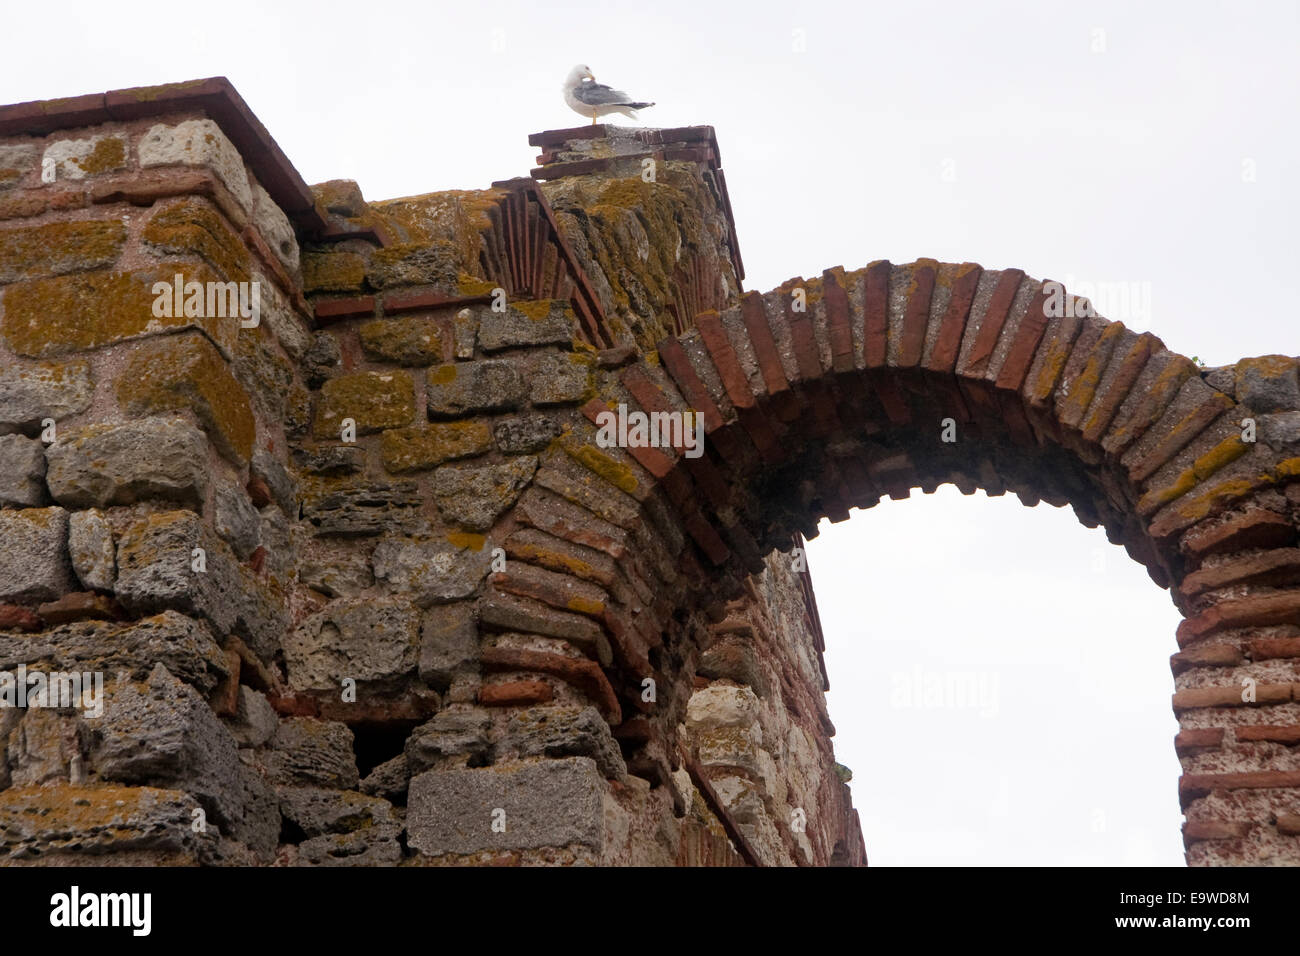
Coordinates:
(589, 76)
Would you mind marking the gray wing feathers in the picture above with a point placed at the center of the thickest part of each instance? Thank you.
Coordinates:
(597, 94)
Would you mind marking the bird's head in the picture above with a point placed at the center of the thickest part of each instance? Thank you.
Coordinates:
(578, 74)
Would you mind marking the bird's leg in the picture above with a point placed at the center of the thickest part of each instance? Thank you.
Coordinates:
(593, 121)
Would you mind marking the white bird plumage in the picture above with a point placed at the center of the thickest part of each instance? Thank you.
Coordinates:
(588, 98)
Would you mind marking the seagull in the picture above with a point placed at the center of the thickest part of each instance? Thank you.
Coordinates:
(584, 95)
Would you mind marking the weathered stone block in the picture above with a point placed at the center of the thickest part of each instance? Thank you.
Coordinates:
(16, 160)
(255, 721)
(79, 158)
(236, 520)
(464, 388)
(411, 340)
(523, 436)
(72, 313)
(559, 378)
(186, 372)
(102, 465)
(563, 731)
(198, 142)
(448, 643)
(58, 248)
(307, 750)
(552, 803)
(191, 226)
(22, 472)
(163, 731)
(331, 460)
(333, 272)
(452, 737)
(427, 446)
(413, 264)
(336, 573)
(275, 228)
(473, 498)
(430, 572)
(389, 780)
(269, 468)
(29, 394)
(374, 400)
(1270, 383)
(184, 646)
(360, 508)
(34, 564)
(143, 824)
(94, 555)
(365, 639)
(322, 359)
(317, 811)
(525, 323)
(157, 571)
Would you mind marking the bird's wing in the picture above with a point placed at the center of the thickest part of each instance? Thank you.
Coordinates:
(597, 94)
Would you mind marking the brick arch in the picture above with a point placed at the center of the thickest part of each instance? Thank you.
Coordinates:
(831, 393)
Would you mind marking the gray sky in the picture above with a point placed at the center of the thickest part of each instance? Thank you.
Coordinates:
(1151, 147)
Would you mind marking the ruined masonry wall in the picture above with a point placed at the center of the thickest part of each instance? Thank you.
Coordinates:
(408, 648)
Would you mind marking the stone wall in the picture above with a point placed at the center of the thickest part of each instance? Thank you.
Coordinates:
(365, 584)
(339, 567)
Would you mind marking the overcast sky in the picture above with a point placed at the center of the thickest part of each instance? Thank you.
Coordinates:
(1152, 147)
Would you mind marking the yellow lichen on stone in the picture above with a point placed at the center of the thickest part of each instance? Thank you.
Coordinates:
(109, 154)
(52, 316)
(413, 340)
(535, 309)
(466, 539)
(426, 446)
(333, 272)
(193, 226)
(373, 400)
(616, 473)
(58, 248)
(186, 372)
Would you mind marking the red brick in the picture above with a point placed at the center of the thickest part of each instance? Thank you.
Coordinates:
(875, 314)
(80, 606)
(515, 693)
(1270, 733)
(259, 492)
(994, 318)
(336, 309)
(1273, 648)
(1214, 830)
(952, 327)
(1279, 566)
(760, 336)
(224, 698)
(1252, 611)
(1177, 435)
(916, 314)
(582, 673)
(1025, 345)
(1197, 740)
(1206, 655)
(1102, 412)
(1288, 824)
(687, 380)
(838, 322)
(15, 617)
(707, 537)
(1253, 529)
(724, 359)
(1194, 698)
(559, 590)
(1194, 785)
